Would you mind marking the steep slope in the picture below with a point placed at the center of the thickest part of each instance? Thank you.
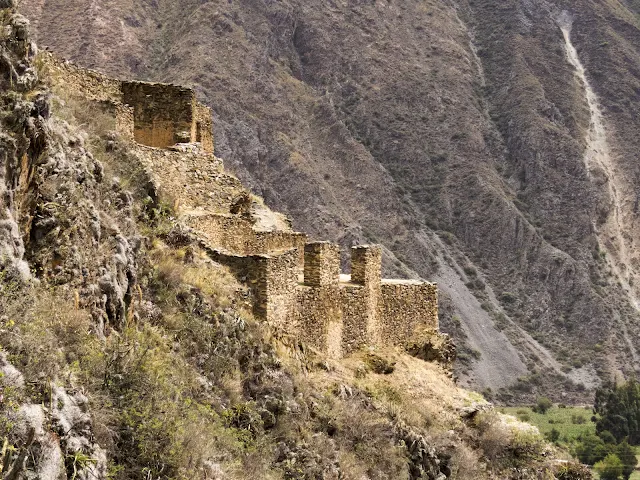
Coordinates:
(127, 352)
(452, 132)
(571, 169)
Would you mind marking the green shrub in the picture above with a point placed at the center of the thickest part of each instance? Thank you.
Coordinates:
(378, 364)
(572, 471)
(543, 404)
(553, 435)
(591, 449)
(578, 420)
(610, 468)
(508, 298)
(627, 456)
(526, 444)
(470, 271)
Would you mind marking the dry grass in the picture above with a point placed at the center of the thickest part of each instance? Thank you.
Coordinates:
(86, 115)
(188, 267)
(151, 409)
(495, 435)
(508, 442)
(46, 336)
(148, 404)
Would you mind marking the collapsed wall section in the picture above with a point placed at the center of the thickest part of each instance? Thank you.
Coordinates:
(163, 114)
(122, 116)
(332, 316)
(202, 128)
(125, 123)
(235, 234)
(86, 83)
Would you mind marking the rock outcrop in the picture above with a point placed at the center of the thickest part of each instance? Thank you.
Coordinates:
(23, 119)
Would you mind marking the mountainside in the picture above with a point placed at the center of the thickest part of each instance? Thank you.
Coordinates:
(458, 134)
(130, 347)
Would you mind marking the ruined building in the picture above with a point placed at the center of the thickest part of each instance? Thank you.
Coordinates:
(297, 284)
(153, 114)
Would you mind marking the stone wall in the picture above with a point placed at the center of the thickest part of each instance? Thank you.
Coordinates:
(86, 83)
(318, 317)
(321, 264)
(366, 269)
(407, 308)
(277, 240)
(227, 232)
(366, 264)
(236, 234)
(274, 284)
(357, 314)
(202, 131)
(163, 114)
(296, 285)
(337, 317)
(124, 121)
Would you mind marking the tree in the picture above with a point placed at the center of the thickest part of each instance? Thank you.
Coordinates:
(619, 409)
(610, 468)
(553, 435)
(542, 405)
(627, 456)
(592, 449)
(607, 437)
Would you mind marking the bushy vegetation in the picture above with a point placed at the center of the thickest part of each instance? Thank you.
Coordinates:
(542, 405)
(610, 468)
(186, 384)
(606, 440)
(611, 450)
(619, 409)
(195, 386)
(506, 443)
(570, 422)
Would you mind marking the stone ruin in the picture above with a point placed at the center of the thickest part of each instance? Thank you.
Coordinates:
(335, 313)
(164, 115)
(297, 285)
(153, 114)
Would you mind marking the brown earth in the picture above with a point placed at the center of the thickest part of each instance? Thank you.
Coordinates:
(451, 132)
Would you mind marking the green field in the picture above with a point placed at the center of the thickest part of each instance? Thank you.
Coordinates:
(564, 420)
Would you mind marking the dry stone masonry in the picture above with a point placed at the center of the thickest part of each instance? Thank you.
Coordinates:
(297, 285)
(154, 114)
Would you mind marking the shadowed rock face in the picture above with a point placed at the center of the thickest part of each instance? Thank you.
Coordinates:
(455, 135)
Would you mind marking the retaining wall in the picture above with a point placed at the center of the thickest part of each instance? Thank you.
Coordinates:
(235, 234)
